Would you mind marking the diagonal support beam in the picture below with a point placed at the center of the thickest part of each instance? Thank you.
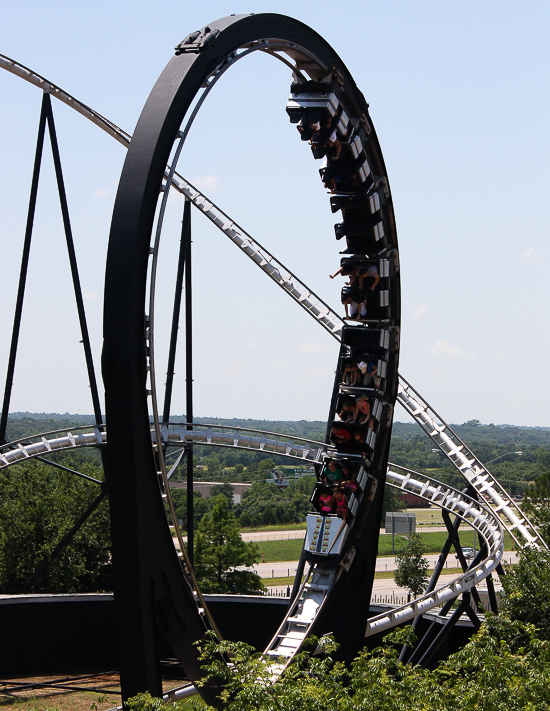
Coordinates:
(72, 260)
(24, 269)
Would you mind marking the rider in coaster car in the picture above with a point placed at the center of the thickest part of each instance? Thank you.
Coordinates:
(332, 473)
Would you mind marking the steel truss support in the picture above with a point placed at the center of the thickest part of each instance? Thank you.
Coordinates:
(447, 628)
(23, 271)
(189, 383)
(46, 118)
(184, 270)
(451, 538)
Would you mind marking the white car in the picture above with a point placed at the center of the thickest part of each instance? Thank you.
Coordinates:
(468, 553)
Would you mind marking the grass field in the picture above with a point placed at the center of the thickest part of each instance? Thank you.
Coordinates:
(424, 517)
(276, 551)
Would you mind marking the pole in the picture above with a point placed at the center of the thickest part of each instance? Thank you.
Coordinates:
(189, 381)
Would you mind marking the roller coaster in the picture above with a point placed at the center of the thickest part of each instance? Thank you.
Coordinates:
(154, 583)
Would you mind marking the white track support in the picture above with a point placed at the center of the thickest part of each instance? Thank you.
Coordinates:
(242, 438)
(41, 444)
(477, 514)
(284, 278)
(487, 487)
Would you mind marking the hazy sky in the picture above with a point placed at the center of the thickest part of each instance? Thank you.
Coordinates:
(458, 94)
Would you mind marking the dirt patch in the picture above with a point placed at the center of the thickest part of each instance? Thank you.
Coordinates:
(47, 693)
(93, 692)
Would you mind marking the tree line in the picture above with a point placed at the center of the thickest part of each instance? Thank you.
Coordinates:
(410, 447)
(39, 504)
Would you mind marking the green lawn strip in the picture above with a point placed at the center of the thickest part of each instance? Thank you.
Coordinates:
(277, 551)
(434, 542)
(277, 582)
(384, 575)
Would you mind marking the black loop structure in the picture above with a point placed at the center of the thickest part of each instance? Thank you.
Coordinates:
(152, 588)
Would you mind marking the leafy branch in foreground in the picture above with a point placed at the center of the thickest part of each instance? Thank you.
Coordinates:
(504, 667)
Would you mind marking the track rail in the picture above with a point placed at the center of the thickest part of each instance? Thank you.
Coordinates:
(323, 577)
(44, 84)
(478, 476)
(242, 438)
(275, 269)
(49, 442)
(271, 266)
(478, 515)
(172, 434)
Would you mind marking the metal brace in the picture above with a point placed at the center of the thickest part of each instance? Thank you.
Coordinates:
(197, 41)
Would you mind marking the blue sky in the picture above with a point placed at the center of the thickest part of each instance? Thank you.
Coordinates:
(458, 94)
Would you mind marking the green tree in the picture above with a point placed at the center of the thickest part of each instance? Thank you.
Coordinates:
(537, 502)
(392, 502)
(214, 465)
(226, 489)
(38, 506)
(527, 590)
(412, 567)
(200, 506)
(265, 465)
(220, 551)
(265, 504)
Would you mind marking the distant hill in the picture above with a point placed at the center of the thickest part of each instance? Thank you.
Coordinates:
(410, 446)
(21, 424)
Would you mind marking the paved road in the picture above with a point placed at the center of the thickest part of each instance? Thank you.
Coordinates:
(385, 587)
(384, 590)
(259, 536)
(288, 568)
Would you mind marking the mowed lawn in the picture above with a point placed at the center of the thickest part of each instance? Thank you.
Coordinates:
(276, 551)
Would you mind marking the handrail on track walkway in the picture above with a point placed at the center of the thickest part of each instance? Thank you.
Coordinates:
(478, 476)
(477, 514)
